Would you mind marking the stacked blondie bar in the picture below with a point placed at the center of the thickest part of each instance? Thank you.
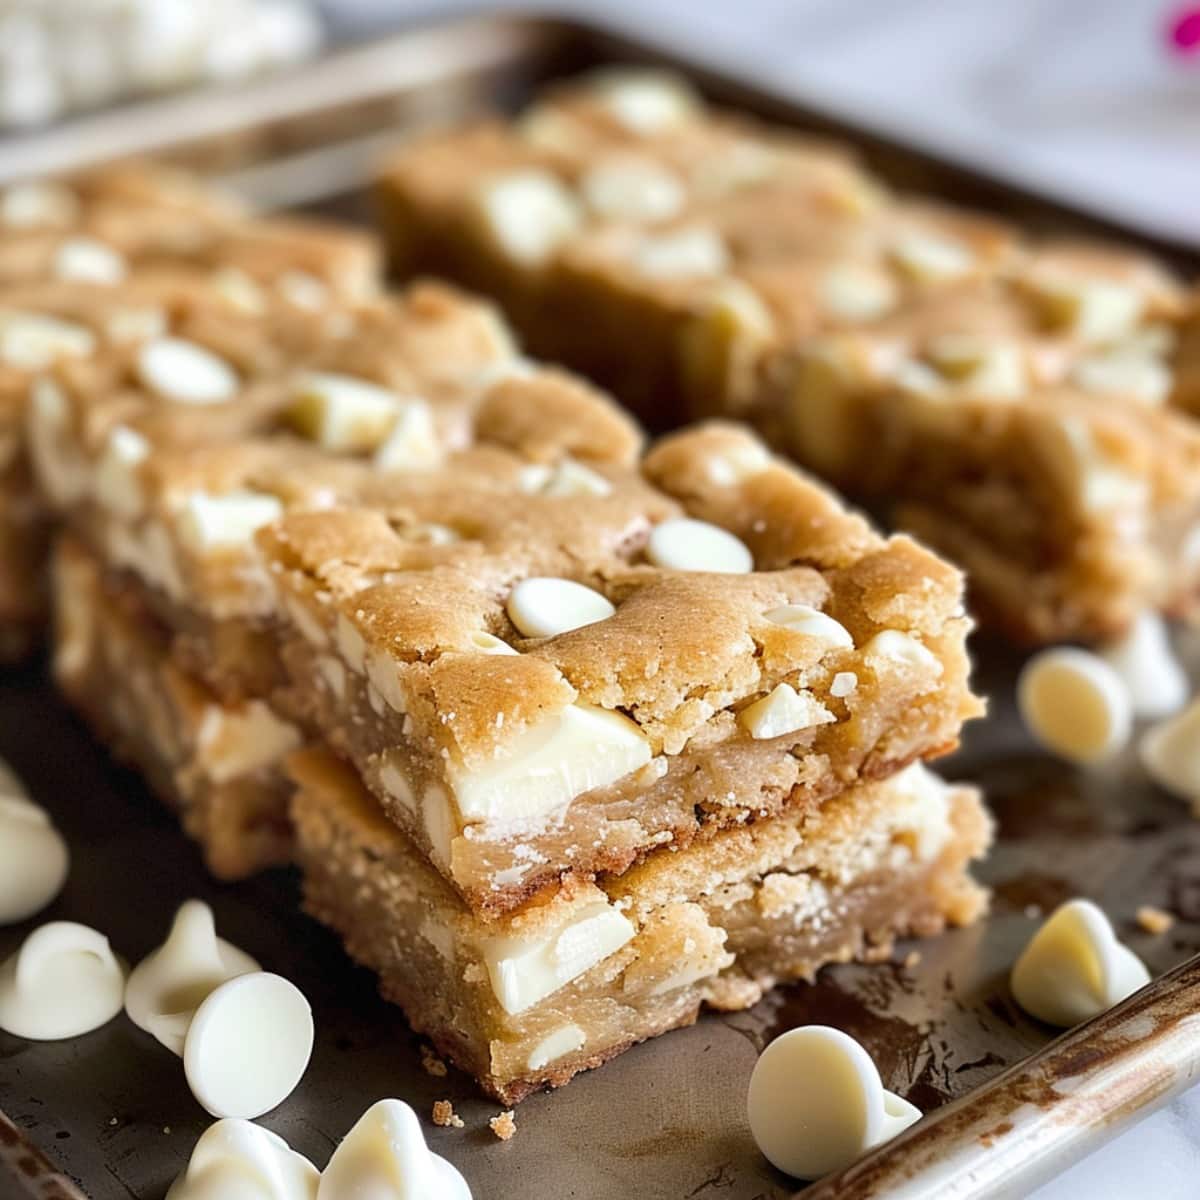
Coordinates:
(1006, 398)
(569, 737)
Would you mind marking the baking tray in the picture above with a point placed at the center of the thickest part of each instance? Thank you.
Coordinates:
(665, 1121)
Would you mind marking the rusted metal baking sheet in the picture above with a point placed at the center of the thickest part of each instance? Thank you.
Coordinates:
(667, 1120)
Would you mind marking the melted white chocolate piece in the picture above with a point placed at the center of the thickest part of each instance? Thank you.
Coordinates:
(248, 1044)
(783, 710)
(62, 982)
(1143, 658)
(33, 858)
(1170, 753)
(237, 1160)
(1074, 968)
(384, 1157)
(185, 373)
(685, 544)
(816, 1102)
(168, 985)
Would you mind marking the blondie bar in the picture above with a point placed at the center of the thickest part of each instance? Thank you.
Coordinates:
(1002, 396)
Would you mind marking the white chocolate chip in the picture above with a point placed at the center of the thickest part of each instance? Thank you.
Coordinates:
(811, 622)
(303, 290)
(685, 544)
(236, 741)
(350, 644)
(248, 1045)
(530, 214)
(1074, 968)
(210, 524)
(344, 413)
(526, 969)
(116, 483)
(546, 766)
(166, 987)
(34, 205)
(488, 643)
(232, 1152)
(85, 260)
(844, 683)
(681, 254)
(1170, 754)
(563, 1041)
(816, 1102)
(632, 189)
(1075, 704)
(1094, 310)
(64, 981)
(384, 1157)
(1136, 376)
(1143, 658)
(738, 464)
(646, 102)
(240, 291)
(856, 292)
(33, 858)
(930, 259)
(571, 478)
(412, 444)
(903, 648)
(185, 373)
(783, 710)
(545, 607)
(31, 341)
(978, 365)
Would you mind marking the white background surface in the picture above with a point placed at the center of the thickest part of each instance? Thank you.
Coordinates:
(1077, 96)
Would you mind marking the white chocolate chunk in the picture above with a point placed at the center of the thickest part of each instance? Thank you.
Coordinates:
(33, 858)
(574, 751)
(545, 607)
(563, 1041)
(210, 524)
(185, 373)
(31, 341)
(530, 214)
(125, 324)
(1075, 704)
(413, 443)
(930, 259)
(922, 810)
(350, 644)
(303, 290)
(525, 970)
(811, 622)
(168, 985)
(738, 464)
(681, 254)
(816, 1102)
(856, 292)
(1170, 754)
(844, 683)
(632, 189)
(384, 1157)
(784, 710)
(571, 478)
(238, 1160)
(116, 483)
(343, 413)
(248, 1044)
(64, 981)
(483, 642)
(980, 366)
(903, 648)
(34, 205)
(85, 260)
(1102, 485)
(1074, 968)
(646, 102)
(1143, 658)
(236, 741)
(240, 291)
(685, 544)
(1094, 310)
(56, 464)
(1136, 376)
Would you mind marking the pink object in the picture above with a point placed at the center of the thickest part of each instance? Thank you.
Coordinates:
(1184, 31)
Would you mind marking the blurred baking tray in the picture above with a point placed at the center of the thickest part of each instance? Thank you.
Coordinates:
(665, 1121)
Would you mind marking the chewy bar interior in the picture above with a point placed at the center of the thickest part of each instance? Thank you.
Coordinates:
(76, 258)
(978, 384)
(566, 982)
(620, 661)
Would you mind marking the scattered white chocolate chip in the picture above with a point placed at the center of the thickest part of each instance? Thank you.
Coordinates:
(233, 741)
(1170, 754)
(64, 981)
(857, 292)
(843, 684)
(633, 189)
(384, 1157)
(816, 1102)
(563, 1041)
(239, 1160)
(530, 213)
(1075, 704)
(185, 373)
(738, 464)
(115, 482)
(488, 643)
(248, 1044)
(30, 205)
(85, 260)
(1146, 664)
(526, 968)
(571, 478)
(1095, 310)
(545, 607)
(1074, 968)
(811, 622)
(783, 710)
(903, 648)
(980, 366)
(33, 858)
(31, 341)
(413, 443)
(681, 254)
(167, 986)
(208, 524)
(1136, 376)
(930, 259)
(685, 544)
(645, 102)
(303, 290)
(343, 413)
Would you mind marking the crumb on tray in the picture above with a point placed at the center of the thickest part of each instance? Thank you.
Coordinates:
(1154, 920)
(445, 1116)
(432, 1064)
(504, 1126)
